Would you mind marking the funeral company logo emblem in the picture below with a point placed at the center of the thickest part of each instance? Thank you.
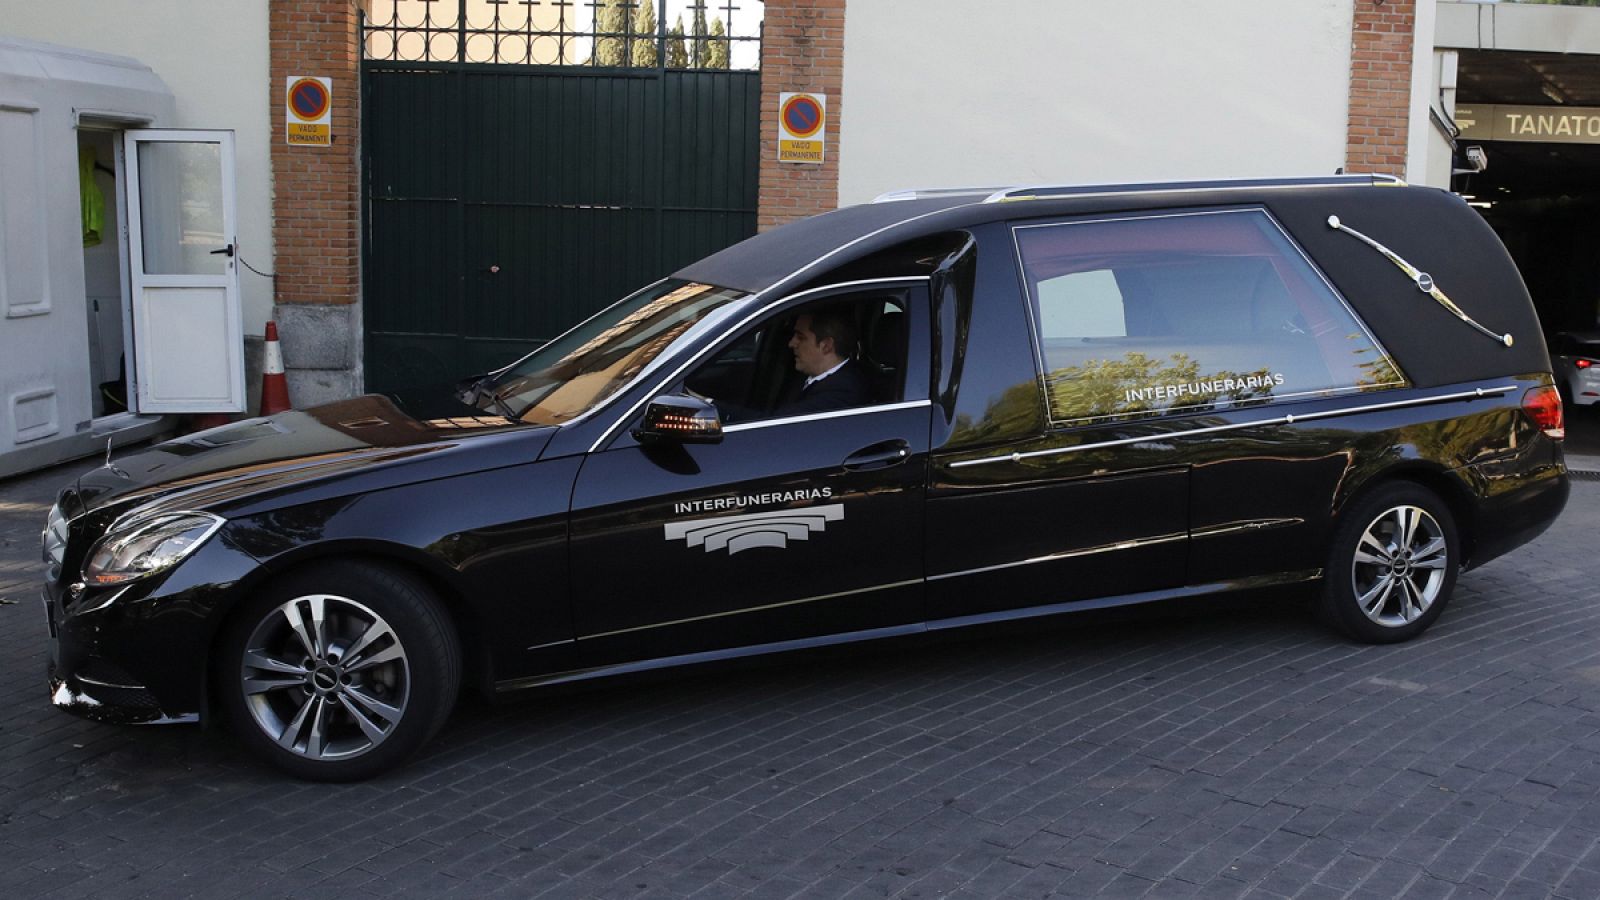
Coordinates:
(764, 529)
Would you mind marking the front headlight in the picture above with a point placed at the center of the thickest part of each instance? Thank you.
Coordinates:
(147, 546)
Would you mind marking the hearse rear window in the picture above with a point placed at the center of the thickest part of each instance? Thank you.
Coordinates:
(1191, 312)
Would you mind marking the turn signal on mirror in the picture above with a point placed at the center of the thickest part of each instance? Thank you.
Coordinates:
(1543, 406)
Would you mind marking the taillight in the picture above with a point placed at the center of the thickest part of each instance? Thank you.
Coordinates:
(1543, 406)
(1583, 363)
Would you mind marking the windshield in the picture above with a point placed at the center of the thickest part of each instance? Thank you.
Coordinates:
(584, 367)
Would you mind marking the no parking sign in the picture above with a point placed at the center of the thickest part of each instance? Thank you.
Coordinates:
(801, 131)
(308, 111)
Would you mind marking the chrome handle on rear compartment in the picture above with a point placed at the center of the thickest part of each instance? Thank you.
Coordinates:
(1423, 280)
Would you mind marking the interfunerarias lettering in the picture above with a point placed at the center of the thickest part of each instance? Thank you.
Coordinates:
(1543, 124)
(1204, 389)
(716, 503)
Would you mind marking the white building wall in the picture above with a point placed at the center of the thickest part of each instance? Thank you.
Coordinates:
(212, 55)
(956, 92)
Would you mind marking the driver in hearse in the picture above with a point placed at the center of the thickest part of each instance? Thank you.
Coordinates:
(824, 346)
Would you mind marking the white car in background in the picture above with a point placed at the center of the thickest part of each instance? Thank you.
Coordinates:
(1575, 359)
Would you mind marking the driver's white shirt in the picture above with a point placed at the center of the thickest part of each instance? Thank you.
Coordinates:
(816, 378)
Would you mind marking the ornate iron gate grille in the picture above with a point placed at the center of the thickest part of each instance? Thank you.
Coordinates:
(506, 202)
(720, 34)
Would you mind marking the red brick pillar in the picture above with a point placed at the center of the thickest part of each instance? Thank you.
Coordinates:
(316, 203)
(802, 49)
(1380, 86)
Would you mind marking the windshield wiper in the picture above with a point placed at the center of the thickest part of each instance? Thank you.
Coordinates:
(479, 394)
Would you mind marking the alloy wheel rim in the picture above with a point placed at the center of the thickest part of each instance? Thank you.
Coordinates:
(325, 677)
(1399, 566)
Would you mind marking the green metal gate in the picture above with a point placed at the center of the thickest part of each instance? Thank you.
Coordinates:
(505, 203)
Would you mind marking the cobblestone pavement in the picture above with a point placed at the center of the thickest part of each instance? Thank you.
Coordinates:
(1239, 752)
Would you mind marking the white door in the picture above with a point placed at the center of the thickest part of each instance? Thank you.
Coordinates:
(188, 339)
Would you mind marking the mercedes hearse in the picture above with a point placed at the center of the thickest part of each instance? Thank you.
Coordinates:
(1060, 398)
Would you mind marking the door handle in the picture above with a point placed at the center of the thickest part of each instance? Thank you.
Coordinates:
(225, 251)
(878, 456)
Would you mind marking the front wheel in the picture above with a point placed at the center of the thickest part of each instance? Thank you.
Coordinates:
(339, 671)
(1392, 566)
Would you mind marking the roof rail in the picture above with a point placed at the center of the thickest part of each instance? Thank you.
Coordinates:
(925, 193)
(1044, 192)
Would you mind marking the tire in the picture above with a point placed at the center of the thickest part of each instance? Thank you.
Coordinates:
(1379, 588)
(348, 700)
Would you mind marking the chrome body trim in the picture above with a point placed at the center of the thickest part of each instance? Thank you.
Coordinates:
(1194, 590)
(96, 682)
(930, 193)
(110, 598)
(1014, 194)
(1067, 554)
(849, 637)
(1276, 420)
(1235, 527)
(684, 659)
(1090, 551)
(754, 314)
(750, 609)
(835, 414)
(1423, 281)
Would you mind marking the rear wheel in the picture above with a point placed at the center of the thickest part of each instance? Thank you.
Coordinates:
(339, 671)
(1392, 566)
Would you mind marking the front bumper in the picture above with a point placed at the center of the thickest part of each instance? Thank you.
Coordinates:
(86, 682)
(139, 653)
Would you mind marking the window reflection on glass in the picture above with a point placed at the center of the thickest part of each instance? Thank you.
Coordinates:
(581, 369)
(1187, 313)
(180, 208)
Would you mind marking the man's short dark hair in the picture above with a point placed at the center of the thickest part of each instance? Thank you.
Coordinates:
(839, 323)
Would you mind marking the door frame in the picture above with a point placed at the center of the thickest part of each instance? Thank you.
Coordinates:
(117, 124)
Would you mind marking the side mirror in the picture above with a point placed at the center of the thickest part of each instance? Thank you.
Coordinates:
(679, 419)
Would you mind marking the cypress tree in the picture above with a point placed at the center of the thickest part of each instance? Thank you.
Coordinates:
(702, 48)
(717, 56)
(610, 18)
(677, 53)
(644, 29)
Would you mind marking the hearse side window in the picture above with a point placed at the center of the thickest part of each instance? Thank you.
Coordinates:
(1192, 312)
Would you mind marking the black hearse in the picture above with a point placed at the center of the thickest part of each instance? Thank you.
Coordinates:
(1068, 398)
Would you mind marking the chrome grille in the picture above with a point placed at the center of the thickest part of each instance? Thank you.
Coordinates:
(53, 540)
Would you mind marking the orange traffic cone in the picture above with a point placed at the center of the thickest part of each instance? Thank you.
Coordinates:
(274, 386)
